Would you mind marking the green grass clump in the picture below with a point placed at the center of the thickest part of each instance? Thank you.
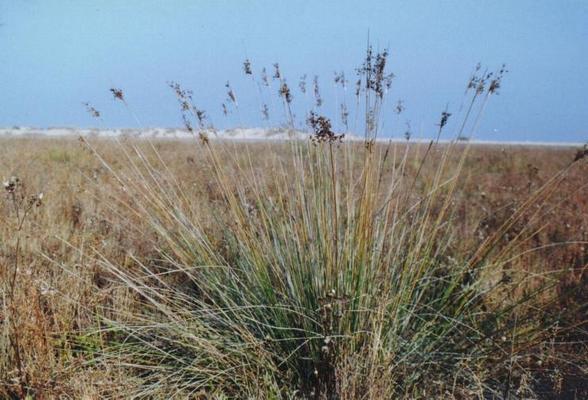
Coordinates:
(331, 280)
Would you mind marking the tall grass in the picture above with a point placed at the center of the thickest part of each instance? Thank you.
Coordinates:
(338, 274)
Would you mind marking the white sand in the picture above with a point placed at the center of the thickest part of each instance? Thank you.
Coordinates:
(248, 134)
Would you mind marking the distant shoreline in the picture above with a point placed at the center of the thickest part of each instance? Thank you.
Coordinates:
(245, 134)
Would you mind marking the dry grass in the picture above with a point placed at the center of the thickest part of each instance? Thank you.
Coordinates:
(63, 290)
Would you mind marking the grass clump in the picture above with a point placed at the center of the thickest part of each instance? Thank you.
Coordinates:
(329, 276)
(334, 284)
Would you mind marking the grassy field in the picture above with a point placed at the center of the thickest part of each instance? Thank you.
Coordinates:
(311, 269)
(324, 268)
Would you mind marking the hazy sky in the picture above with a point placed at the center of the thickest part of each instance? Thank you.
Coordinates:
(55, 54)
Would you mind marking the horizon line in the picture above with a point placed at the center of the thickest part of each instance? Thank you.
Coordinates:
(67, 131)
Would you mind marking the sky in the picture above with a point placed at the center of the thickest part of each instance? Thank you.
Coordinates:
(56, 54)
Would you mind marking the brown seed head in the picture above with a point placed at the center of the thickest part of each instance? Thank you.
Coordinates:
(323, 132)
(118, 94)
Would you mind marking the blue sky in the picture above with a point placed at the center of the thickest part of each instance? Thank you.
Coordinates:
(55, 54)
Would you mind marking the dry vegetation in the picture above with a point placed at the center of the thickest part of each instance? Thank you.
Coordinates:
(63, 293)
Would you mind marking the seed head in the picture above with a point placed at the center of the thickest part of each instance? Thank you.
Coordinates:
(302, 83)
(339, 79)
(264, 78)
(317, 93)
(358, 87)
(277, 73)
(11, 184)
(91, 110)
(118, 94)
(265, 112)
(285, 92)
(399, 107)
(36, 200)
(230, 94)
(374, 72)
(247, 67)
(344, 115)
(408, 131)
(322, 129)
(444, 117)
(496, 82)
(200, 115)
(187, 123)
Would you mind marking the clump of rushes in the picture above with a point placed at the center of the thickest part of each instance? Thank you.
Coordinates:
(339, 282)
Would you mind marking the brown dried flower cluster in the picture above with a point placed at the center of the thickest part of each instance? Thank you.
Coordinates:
(373, 72)
(11, 184)
(118, 94)
(323, 132)
(490, 80)
(285, 92)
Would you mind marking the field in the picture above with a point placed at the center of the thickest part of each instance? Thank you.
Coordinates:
(316, 269)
